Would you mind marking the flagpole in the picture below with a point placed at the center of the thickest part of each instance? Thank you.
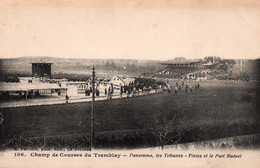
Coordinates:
(92, 110)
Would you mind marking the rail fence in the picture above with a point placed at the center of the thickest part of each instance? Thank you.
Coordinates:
(77, 99)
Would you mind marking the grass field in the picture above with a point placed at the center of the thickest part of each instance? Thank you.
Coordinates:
(215, 102)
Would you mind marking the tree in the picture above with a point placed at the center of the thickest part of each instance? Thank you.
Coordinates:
(166, 127)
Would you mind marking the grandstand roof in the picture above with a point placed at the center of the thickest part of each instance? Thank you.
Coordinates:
(210, 63)
(229, 61)
(189, 61)
(12, 87)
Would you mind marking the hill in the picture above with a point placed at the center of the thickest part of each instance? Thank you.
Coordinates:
(81, 66)
(22, 66)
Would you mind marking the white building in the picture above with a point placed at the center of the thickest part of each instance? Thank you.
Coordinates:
(121, 80)
(74, 88)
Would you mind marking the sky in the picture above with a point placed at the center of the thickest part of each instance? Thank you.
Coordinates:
(137, 29)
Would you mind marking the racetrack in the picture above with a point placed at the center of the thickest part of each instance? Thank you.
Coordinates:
(214, 102)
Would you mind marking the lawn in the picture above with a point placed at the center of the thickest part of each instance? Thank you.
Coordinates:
(215, 102)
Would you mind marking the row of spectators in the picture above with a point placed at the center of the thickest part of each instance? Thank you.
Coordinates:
(139, 85)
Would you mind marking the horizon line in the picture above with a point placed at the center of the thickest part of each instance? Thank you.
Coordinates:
(126, 58)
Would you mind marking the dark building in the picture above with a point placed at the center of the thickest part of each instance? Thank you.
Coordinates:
(41, 69)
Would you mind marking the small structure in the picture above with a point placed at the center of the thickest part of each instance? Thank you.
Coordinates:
(75, 87)
(41, 69)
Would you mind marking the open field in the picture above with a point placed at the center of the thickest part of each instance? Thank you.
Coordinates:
(215, 103)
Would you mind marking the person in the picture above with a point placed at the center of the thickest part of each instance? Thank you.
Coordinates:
(67, 98)
(112, 89)
(87, 92)
(182, 83)
(121, 90)
(134, 89)
(105, 91)
(168, 88)
(128, 91)
(175, 89)
(191, 89)
(198, 85)
(109, 93)
(30, 94)
(97, 92)
(142, 88)
(125, 88)
(177, 84)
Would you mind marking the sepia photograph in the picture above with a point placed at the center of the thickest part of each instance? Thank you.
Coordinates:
(143, 80)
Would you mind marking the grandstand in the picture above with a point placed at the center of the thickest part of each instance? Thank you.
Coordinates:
(179, 68)
(208, 68)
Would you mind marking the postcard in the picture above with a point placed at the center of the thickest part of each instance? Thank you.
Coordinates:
(140, 83)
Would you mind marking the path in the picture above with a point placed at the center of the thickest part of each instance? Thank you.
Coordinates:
(55, 99)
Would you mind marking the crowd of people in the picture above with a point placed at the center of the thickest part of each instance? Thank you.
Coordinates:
(137, 87)
(131, 89)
